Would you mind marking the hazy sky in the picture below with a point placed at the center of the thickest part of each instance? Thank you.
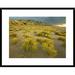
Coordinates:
(51, 20)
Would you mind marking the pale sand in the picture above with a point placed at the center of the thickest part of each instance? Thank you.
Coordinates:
(63, 25)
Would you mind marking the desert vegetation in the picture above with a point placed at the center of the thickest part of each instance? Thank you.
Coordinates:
(30, 39)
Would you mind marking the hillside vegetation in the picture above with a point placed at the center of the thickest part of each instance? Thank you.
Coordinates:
(30, 39)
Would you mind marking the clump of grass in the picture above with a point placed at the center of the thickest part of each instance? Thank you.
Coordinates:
(62, 38)
(43, 40)
(30, 45)
(13, 35)
(27, 36)
(48, 46)
(44, 34)
(52, 52)
(64, 44)
(40, 40)
(14, 40)
(60, 33)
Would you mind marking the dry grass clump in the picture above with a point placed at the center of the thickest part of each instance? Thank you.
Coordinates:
(44, 34)
(14, 40)
(48, 46)
(62, 38)
(27, 36)
(64, 44)
(13, 35)
(30, 44)
(60, 33)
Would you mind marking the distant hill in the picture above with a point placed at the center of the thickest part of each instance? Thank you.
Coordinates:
(47, 20)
